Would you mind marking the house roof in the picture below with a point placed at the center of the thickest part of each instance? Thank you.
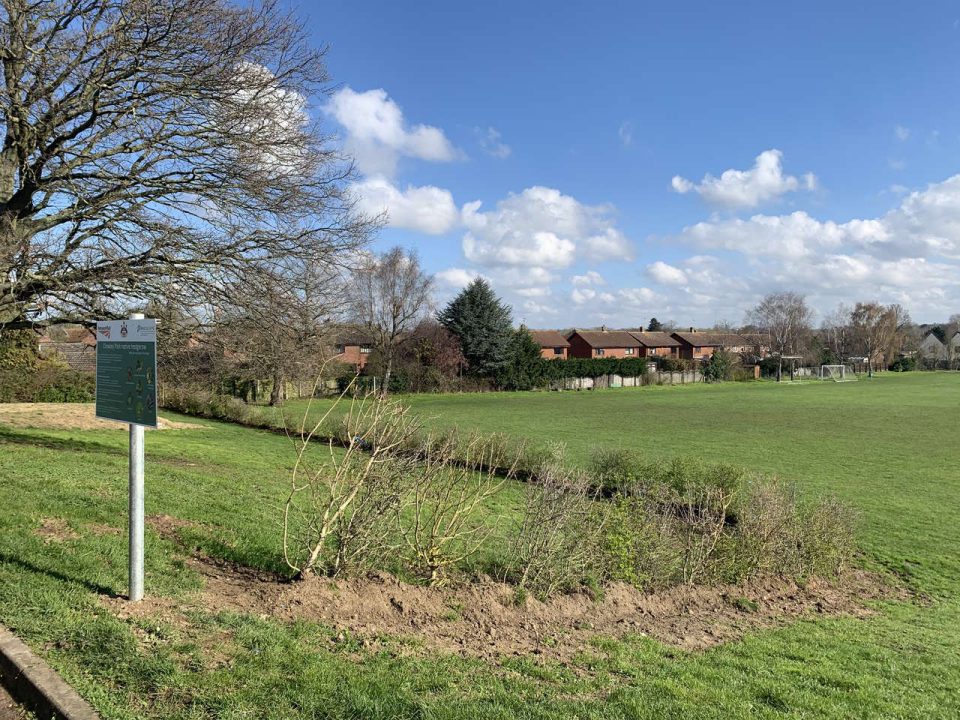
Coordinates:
(549, 338)
(709, 338)
(69, 334)
(607, 338)
(78, 356)
(655, 339)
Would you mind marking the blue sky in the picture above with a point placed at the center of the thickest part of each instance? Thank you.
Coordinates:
(609, 162)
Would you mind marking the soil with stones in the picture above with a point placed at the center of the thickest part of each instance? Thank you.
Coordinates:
(483, 620)
(69, 416)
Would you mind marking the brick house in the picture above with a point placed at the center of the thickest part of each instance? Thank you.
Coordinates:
(352, 348)
(553, 345)
(603, 343)
(74, 345)
(656, 344)
(702, 344)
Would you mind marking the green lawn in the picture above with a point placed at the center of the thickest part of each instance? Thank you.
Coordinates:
(888, 446)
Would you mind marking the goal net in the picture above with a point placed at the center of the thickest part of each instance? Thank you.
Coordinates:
(837, 373)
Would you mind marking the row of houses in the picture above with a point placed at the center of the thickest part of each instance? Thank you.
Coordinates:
(933, 348)
(354, 350)
(603, 343)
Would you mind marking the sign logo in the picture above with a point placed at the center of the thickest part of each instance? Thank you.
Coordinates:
(123, 329)
(105, 331)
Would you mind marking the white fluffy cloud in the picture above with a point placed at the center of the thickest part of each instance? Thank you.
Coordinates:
(908, 255)
(901, 132)
(926, 223)
(540, 228)
(666, 274)
(591, 277)
(455, 278)
(378, 135)
(764, 182)
(427, 209)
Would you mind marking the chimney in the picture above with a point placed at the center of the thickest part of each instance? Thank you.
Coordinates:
(691, 329)
(603, 328)
(641, 329)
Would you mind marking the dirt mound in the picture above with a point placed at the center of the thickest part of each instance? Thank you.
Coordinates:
(482, 619)
(69, 416)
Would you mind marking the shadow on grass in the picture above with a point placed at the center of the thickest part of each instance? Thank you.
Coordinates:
(57, 575)
(37, 439)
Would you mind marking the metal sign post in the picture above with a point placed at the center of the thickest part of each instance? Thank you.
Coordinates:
(127, 392)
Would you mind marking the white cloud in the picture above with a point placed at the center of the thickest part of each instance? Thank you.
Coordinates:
(901, 132)
(666, 274)
(591, 277)
(455, 278)
(765, 181)
(625, 133)
(540, 228)
(908, 255)
(492, 143)
(427, 209)
(378, 135)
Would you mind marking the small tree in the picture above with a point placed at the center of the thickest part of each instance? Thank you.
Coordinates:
(719, 367)
(654, 325)
(389, 295)
(524, 370)
(482, 324)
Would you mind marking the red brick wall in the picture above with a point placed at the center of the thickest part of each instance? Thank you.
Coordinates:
(579, 348)
(548, 354)
(351, 355)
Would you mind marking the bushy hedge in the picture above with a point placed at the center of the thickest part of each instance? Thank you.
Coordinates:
(686, 521)
(46, 384)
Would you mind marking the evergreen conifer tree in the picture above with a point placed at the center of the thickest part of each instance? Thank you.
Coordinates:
(482, 324)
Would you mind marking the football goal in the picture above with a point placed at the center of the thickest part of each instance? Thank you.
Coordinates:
(837, 373)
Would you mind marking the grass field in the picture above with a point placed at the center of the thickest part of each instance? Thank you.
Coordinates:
(887, 446)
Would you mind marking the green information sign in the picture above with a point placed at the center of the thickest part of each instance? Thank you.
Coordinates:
(127, 371)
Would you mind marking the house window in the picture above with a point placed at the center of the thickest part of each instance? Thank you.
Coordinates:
(628, 351)
(340, 349)
(558, 351)
(599, 351)
(365, 349)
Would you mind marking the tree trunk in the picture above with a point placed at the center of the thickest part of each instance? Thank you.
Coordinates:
(386, 377)
(276, 392)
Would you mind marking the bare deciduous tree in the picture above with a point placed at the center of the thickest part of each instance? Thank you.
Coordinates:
(873, 327)
(274, 325)
(785, 319)
(145, 140)
(837, 333)
(390, 294)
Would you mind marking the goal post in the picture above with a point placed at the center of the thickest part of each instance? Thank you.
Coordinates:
(837, 373)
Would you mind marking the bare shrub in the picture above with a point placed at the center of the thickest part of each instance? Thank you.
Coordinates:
(557, 542)
(701, 526)
(441, 517)
(827, 543)
(767, 530)
(335, 510)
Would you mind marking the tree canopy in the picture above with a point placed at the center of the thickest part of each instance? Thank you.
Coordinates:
(483, 325)
(150, 142)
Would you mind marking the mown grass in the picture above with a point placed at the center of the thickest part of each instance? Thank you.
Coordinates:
(888, 446)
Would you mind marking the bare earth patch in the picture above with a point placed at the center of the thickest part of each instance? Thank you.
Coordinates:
(55, 530)
(69, 416)
(482, 620)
